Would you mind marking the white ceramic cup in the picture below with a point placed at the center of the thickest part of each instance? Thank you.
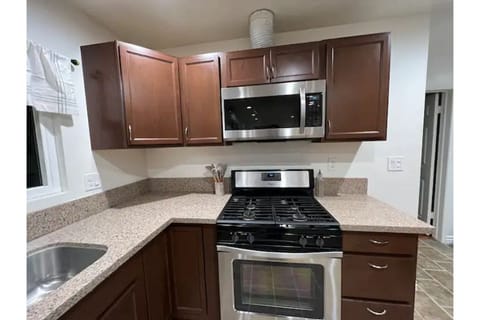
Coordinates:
(219, 188)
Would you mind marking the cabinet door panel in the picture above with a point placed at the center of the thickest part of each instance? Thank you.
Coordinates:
(152, 100)
(247, 67)
(357, 87)
(295, 62)
(157, 281)
(200, 92)
(120, 297)
(187, 268)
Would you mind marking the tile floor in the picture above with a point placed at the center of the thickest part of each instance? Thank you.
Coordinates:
(434, 296)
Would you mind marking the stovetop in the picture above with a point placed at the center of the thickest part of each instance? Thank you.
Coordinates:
(276, 210)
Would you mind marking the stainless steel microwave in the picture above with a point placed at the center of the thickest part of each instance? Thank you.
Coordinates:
(280, 111)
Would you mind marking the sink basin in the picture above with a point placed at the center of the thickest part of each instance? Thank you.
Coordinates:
(50, 267)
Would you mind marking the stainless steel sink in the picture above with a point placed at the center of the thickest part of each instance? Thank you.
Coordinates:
(50, 267)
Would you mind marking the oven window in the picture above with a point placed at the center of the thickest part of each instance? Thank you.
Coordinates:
(262, 113)
(278, 288)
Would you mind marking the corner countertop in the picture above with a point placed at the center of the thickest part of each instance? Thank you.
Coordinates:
(127, 228)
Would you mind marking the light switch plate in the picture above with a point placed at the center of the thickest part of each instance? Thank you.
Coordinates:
(331, 163)
(395, 163)
(92, 181)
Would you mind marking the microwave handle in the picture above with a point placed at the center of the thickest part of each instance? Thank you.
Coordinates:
(303, 109)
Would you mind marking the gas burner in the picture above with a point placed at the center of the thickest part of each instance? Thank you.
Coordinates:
(295, 208)
(283, 201)
(250, 206)
(235, 199)
(299, 217)
(248, 215)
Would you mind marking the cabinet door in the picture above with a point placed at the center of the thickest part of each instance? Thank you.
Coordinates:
(157, 281)
(247, 67)
(152, 98)
(192, 274)
(119, 297)
(295, 62)
(200, 97)
(354, 309)
(357, 87)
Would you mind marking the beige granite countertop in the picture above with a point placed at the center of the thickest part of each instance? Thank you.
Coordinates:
(364, 213)
(127, 228)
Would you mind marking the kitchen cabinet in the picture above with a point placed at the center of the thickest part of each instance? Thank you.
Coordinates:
(120, 297)
(357, 87)
(200, 99)
(378, 275)
(157, 277)
(133, 96)
(194, 272)
(294, 62)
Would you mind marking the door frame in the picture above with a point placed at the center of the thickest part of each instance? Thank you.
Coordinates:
(446, 110)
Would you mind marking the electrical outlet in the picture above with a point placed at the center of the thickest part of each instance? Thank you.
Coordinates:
(395, 163)
(91, 181)
(331, 163)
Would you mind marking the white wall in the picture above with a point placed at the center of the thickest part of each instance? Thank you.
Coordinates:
(409, 50)
(63, 29)
(440, 50)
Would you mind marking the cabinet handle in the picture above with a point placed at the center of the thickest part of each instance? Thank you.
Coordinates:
(374, 266)
(384, 312)
(268, 73)
(273, 71)
(379, 243)
(186, 132)
(329, 124)
(130, 132)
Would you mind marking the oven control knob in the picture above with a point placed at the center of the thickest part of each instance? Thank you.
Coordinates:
(302, 241)
(250, 238)
(235, 237)
(320, 242)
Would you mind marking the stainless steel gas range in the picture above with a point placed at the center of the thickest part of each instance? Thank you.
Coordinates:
(279, 250)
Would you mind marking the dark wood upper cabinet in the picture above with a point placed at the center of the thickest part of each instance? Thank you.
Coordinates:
(194, 275)
(132, 96)
(200, 98)
(152, 97)
(246, 67)
(358, 71)
(120, 297)
(296, 62)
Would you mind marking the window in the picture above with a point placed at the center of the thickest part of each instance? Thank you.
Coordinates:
(43, 166)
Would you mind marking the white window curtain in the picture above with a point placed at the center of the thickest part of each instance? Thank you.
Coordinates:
(49, 81)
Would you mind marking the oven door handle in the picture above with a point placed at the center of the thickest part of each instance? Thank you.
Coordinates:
(279, 255)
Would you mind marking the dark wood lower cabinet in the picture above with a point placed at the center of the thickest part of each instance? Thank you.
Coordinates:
(120, 297)
(370, 310)
(194, 275)
(175, 276)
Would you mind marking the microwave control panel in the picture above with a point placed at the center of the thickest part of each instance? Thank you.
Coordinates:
(313, 114)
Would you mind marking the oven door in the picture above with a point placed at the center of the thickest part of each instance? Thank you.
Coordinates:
(258, 285)
(269, 112)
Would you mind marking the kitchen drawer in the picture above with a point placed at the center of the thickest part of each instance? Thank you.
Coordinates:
(372, 242)
(379, 277)
(370, 310)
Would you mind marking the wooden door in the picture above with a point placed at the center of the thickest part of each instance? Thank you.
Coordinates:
(194, 275)
(157, 281)
(120, 297)
(295, 62)
(246, 67)
(152, 98)
(200, 97)
(357, 87)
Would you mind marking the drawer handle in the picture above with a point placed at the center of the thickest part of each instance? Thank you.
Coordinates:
(379, 243)
(374, 266)
(384, 312)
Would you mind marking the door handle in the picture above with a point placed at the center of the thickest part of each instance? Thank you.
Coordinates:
(303, 109)
(379, 243)
(382, 313)
(130, 132)
(374, 266)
